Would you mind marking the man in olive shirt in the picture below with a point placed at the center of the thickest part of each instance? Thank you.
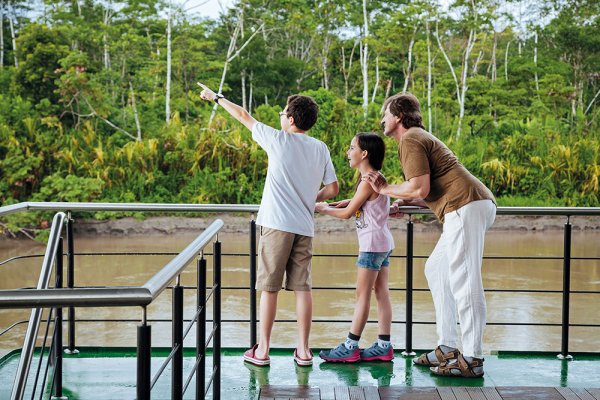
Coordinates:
(436, 179)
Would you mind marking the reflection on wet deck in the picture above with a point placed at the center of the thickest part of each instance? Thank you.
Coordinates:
(512, 375)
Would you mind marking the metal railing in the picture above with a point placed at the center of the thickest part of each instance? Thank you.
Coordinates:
(134, 296)
(142, 296)
(52, 249)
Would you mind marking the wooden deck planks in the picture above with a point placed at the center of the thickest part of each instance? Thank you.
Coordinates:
(273, 392)
(289, 392)
(595, 392)
(476, 393)
(490, 393)
(529, 393)
(408, 393)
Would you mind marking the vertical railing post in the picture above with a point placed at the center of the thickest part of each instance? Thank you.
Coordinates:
(144, 343)
(58, 338)
(71, 282)
(253, 258)
(177, 342)
(408, 350)
(564, 353)
(201, 329)
(217, 320)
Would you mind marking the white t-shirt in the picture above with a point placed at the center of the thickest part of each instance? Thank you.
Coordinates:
(298, 164)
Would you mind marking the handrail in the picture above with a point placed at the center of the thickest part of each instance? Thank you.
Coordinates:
(67, 206)
(157, 207)
(20, 381)
(111, 296)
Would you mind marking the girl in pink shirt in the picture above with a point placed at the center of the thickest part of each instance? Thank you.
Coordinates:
(375, 240)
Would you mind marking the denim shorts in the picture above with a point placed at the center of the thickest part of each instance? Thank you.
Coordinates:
(373, 260)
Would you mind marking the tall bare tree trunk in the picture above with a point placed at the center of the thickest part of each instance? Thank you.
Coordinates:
(326, 46)
(535, 41)
(2, 34)
(376, 79)
(14, 39)
(364, 58)
(230, 57)
(250, 95)
(168, 83)
(106, 19)
(408, 71)
(462, 87)
(135, 113)
(494, 72)
(243, 77)
(429, 65)
(506, 61)
(346, 71)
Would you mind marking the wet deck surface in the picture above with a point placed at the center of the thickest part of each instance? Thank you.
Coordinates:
(507, 376)
(444, 393)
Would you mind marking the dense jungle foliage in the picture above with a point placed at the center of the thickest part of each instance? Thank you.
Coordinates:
(99, 102)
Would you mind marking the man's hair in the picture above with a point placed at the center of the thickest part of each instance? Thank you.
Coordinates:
(406, 107)
(304, 110)
(375, 147)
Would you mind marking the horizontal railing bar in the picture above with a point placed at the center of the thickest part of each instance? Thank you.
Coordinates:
(339, 321)
(77, 297)
(253, 208)
(75, 206)
(140, 296)
(399, 256)
(164, 365)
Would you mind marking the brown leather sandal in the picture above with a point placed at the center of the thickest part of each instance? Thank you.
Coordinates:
(460, 368)
(439, 354)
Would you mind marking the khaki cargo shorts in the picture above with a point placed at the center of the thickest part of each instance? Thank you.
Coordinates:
(282, 252)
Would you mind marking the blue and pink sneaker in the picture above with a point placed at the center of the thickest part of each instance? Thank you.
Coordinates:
(377, 353)
(341, 354)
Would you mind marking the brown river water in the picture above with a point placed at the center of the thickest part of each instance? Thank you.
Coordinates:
(111, 270)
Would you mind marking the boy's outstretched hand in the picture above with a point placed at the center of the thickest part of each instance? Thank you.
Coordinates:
(206, 93)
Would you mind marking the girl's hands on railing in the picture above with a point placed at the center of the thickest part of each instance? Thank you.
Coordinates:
(395, 209)
(319, 207)
(340, 204)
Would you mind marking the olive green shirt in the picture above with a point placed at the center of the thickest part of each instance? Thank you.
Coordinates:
(451, 184)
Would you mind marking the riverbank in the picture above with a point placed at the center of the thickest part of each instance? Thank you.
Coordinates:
(163, 225)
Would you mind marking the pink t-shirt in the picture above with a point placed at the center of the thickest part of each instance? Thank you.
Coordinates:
(372, 226)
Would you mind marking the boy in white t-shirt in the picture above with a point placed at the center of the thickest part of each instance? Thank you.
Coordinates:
(298, 166)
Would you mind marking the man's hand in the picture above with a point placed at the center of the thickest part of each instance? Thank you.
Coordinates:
(340, 204)
(319, 207)
(206, 93)
(395, 210)
(376, 180)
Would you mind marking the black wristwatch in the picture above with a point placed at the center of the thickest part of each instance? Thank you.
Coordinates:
(218, 97)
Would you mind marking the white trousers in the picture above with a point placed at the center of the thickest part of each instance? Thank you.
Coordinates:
(453, 273)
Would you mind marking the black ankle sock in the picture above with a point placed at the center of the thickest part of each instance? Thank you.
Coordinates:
(352, 336)
(385, 337)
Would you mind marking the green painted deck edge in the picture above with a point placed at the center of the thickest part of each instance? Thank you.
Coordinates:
(105, 352)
